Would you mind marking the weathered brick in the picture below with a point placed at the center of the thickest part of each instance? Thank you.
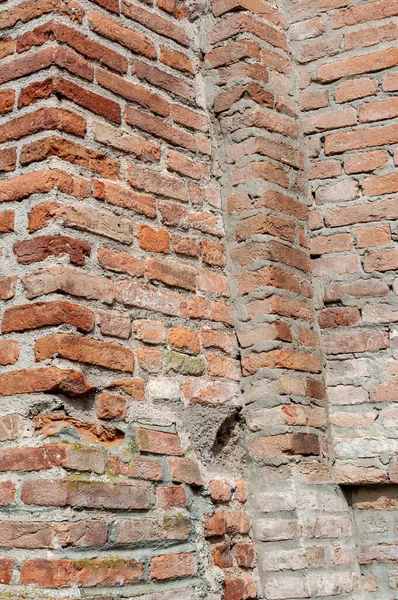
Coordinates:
(355, 88)
(110, 406)
(155, 22)
(77, 40)
(41, 247)
(111, 29)
(62, 572)
(41, 120)
(58, 492)
(172, 566)
(71, 152)
(157, 442)
(121, 262)
(51, 379)
(86, 350)
(42, 314)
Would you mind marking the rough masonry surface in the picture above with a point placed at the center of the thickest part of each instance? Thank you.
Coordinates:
(198, 299)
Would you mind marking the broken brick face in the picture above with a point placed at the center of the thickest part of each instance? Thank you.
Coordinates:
(198, 286)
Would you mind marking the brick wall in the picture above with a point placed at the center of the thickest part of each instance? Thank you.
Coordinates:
(197, 295)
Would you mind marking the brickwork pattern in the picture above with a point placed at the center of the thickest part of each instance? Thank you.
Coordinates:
(198, 312)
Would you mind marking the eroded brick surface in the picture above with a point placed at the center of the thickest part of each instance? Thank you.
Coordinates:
(198, 314)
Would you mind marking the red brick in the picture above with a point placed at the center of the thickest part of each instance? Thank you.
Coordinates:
(96, 103)
(133, 92)
(48, 425)
(288, 443)
(8, 158)
(71, 152)
(178, 163)
(379, 210)
(171, 497)
(59, 492)
(121, 262)
(22, 186)
(139, 468)
(361, 341)
(373, 236)
(7, 99)
(172, 566)
(369, 63)
(114, 324)
(245, 554)
(150, 332)
(125, 198)
(125, 142)
(158, 128)
(362, 14)
(40, 534)
(156, 183)
(231, 26)
(7, 287)
(265, 224)
(390, 82)
(370, 36)
(215, 525)
(339, 317)
(325, 244)
(150, 360)
(171, 273)
(315, 49)
(281, 359)
(355, 88)
(110, 406)
(6, 570)
(259, 7)
(313, 99)
(76, 40)
(159, 78)
(25, 65)
(220, 490)
(184, 470)
(365, 288)
(111, 29)
(7, 47)
(63, 572)
(41, 120)
(260, 170)
(86, 350)
(220, 366)
(42, 314)
(7, 492)
(361, 139)
(184, 339)
(157, 442)
(332, 119)
(154, 22)
(336, 265)
(133, 387)
(189, 118)
(51, 379)
(9, 352)
(149, 297)
(381, 260)
(377, 111)
(153, 240)
(280, 305)
(364, 162)
(7, 218)
(39, 248)
(176, 60)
